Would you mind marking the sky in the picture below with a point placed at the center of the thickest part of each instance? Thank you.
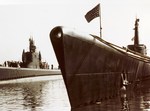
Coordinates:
(22, 19)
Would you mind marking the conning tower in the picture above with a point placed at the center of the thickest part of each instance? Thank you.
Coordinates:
(31, 59)
(140, 48)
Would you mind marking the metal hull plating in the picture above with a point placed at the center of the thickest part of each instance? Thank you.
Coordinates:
(7, 73)
(92, 67)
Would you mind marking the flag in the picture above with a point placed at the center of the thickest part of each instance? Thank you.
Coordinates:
(93, 13)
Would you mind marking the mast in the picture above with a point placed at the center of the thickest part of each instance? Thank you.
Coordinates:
(32, 47)
(140, 48)
(136, 35)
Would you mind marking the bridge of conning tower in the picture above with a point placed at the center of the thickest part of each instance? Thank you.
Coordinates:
(140, 48)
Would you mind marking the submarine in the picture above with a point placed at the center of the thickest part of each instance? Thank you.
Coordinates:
(94, 69)
(30, 66)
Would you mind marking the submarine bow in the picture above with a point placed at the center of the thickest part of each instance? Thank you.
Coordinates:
(86, 64)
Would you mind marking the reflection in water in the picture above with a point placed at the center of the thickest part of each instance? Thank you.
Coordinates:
(88, 108)
(49, 94)
(32, 95)
(145, 96)
(137, 99)
(109, 105)
(124, 101)
(40, 94)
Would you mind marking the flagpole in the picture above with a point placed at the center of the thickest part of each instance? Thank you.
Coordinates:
(93, 13)
(100, 21)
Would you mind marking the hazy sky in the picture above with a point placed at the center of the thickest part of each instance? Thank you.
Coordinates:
(20, 19)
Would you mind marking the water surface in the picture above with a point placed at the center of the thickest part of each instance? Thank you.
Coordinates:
(34, 94)
(49, 94)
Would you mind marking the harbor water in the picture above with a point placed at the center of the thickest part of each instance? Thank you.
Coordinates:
(48, 93)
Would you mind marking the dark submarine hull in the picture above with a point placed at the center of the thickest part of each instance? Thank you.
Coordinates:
(92, 68)
(8, 73)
